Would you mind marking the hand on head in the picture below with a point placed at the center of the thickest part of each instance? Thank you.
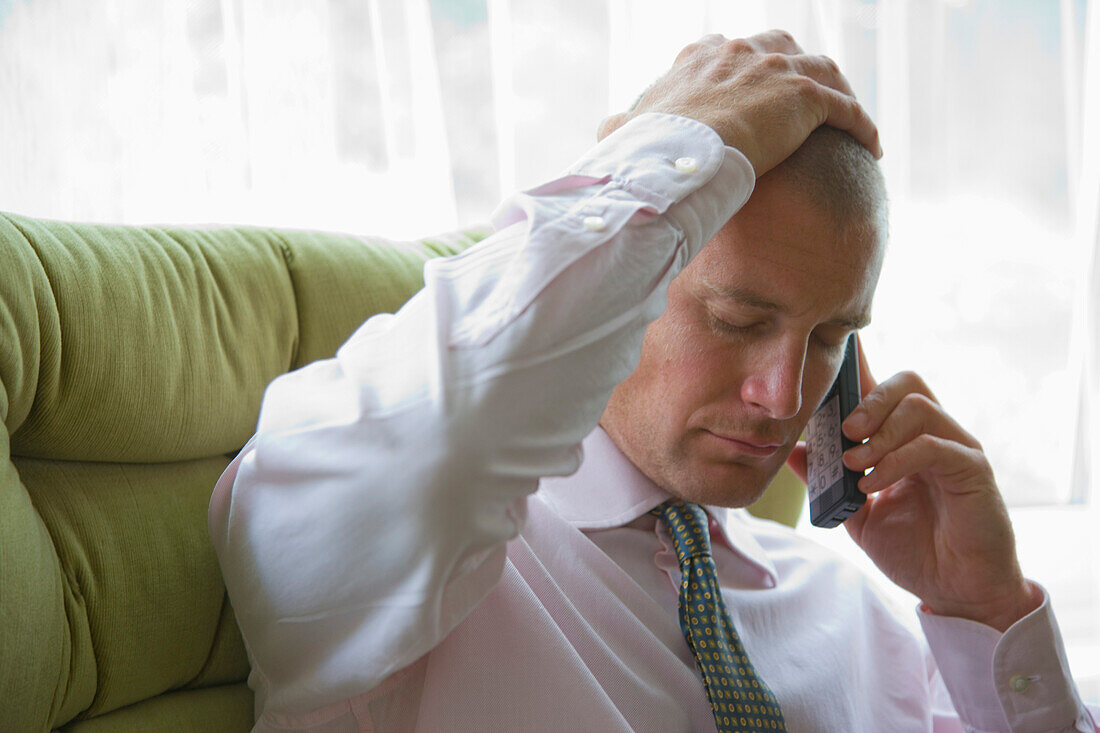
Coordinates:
(762, 95)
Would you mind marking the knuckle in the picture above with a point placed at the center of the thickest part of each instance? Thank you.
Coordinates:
(873, 401)
(782, 35)
(977, 458)
(914, 381)
(806, 87)
(918, 404)
(737, 47)
(776, 61)
(972, 467)
(927, 442)
(829, 64)
(889, 463)
(689, 50)
(879, 446)
(855, 109)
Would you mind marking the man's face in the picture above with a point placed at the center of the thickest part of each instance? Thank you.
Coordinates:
(751, 341)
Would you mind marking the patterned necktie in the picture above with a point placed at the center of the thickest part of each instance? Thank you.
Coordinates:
(739, 699)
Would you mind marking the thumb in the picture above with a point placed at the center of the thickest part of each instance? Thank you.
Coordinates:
(797, 460)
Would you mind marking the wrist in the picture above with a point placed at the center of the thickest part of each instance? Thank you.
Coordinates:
(1000, 615)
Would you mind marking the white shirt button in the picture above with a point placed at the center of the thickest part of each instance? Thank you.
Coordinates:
(594, 223)
(1018, 683)
(686, 165)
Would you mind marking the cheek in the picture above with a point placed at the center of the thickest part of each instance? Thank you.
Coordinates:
(676, 347)
(688, 365)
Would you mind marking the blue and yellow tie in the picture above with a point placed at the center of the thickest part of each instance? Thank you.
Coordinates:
(739, 699)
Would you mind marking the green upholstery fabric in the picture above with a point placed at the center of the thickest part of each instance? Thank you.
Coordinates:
(132, 366)
(215, 709)
(784, 499)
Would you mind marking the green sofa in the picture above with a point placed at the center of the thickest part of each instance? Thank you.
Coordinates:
(132, 366)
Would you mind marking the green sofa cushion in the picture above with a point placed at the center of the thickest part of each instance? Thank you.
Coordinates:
(220, 709)
(132, 366)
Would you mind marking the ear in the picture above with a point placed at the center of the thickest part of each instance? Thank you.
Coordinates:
(797, 460)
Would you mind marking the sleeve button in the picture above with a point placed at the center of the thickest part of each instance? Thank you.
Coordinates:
(1018, 683)
(594, 223)
(686, 165)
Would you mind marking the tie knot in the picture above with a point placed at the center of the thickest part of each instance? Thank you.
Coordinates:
(688, 525)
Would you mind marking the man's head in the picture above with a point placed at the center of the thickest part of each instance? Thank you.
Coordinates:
(755, 328)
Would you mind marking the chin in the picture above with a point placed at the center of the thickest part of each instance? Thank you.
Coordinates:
(730, 485)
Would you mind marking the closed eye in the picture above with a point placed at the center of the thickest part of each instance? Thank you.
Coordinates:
(723, 326)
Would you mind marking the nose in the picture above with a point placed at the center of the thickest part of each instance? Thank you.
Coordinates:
(774, 383)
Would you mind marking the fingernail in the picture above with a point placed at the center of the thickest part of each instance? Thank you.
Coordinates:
(858, 455)
(855, 422)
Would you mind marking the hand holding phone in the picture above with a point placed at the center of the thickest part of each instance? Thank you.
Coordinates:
(833, 487)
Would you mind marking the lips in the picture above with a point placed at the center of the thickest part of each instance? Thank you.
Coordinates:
(748, 445)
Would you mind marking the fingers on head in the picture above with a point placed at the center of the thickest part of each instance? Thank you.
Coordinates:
(775, 41)
(770, 42)
(689, 51)
(705, 43)
(844, 112)
(823, 70)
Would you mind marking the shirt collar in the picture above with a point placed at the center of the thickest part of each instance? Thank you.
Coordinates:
(610, 491)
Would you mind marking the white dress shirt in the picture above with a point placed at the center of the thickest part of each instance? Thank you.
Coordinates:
(402, 552)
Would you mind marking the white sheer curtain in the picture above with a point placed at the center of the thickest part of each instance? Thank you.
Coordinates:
(308, 113)
(405, 117)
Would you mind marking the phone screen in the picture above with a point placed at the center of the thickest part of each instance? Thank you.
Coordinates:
(833, 488)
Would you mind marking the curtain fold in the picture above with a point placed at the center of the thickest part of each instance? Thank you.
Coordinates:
(1085, 344)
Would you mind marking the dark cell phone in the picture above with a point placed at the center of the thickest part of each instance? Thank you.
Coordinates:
(833, 487)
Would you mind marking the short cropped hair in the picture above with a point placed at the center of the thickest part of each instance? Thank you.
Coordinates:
(839, 175)
(842, 177)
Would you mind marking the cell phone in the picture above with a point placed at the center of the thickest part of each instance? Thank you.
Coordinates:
(833, 487)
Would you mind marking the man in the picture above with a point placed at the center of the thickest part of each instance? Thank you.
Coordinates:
(415, 538)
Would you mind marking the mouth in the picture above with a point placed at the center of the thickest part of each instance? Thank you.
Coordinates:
(747, 445)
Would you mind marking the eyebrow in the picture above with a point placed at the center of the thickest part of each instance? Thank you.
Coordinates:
(746, 297)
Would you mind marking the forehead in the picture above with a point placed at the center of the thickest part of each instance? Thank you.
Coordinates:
(782, 248)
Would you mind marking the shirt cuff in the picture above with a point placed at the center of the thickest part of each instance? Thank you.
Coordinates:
(1015, 681)
(656, 164)
(657, 158)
